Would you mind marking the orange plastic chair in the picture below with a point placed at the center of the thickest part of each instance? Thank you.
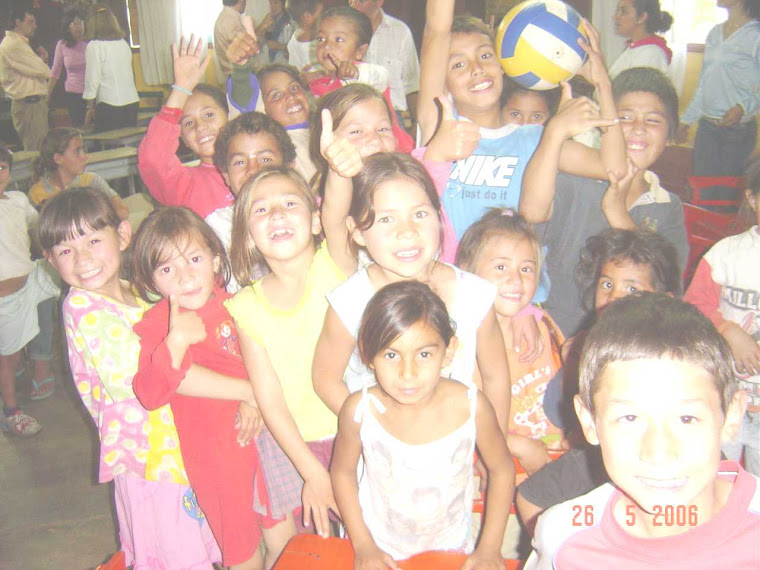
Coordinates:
(310, 552)
(717, 193)
(703, 230)
(117, 562)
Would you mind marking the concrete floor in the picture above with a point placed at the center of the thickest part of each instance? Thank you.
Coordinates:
(54, 514)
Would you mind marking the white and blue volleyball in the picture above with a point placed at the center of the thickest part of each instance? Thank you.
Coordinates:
(537, 43)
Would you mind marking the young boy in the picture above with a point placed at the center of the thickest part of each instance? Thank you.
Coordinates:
(302, 47)
(657, 393)
(647, 105)
(27, 304)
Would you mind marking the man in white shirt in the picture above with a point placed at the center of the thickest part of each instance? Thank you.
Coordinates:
(392, 46)
(24, 76)
(227, 26)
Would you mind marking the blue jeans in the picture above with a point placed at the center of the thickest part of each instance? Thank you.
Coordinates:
(723, 151)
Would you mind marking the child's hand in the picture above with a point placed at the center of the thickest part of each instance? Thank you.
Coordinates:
(614, 200)
(344, 69)
(248, 422)
(594, 71)
(454, 140)
(530, 453)
(576, 116)
(189, 66)
(185, 328)
(525, 332)
(745, 349)
(317, 499)
(244, 45)
(484, 560)
(342, 156)
(373, 559)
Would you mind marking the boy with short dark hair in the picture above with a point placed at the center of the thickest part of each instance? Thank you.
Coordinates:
(657, 393)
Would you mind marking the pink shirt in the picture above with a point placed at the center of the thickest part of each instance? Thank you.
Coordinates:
(71, 58)
(439, 174)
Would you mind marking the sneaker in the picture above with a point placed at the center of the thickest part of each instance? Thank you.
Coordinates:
(20, 424)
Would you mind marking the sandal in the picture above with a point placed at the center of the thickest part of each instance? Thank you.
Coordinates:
(43, 389)
(20, 424)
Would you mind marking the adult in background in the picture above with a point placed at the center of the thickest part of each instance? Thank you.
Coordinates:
(227, 26)
(70, 55)
(727, 99)
(640, 21)
(24, 76)
(392, 46)
(109, 80)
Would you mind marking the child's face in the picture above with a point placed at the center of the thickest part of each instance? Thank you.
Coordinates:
(281, 223)
(660, 426)
(525, 108)
(368, 127)
(5, 176)
(92, 261)
(201, 121)
(406, 233)
(189, 274)
(409, 369)
(509, 262)
(284, 99)
(247, 154)
(336, 39)
(474, 77)
(620, 278)
(74, 159)
(645, 126)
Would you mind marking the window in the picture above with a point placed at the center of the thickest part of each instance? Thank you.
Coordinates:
(198, 17)
(692, 20)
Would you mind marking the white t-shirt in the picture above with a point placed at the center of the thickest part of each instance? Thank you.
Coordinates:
(301, 54)
(641, 56)
(108, 75)
(17, 216)
(473, 299)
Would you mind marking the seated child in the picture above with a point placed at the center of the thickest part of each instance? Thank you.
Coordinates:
(302, 47)
(658, 395)
(572, 208)
(416, 432)
(614, 264)
(61, 165)
(27, 303)
(521, 106)
(195, 112)
(502, 249)
(726, 288)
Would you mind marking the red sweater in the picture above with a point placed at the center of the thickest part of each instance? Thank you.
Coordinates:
(201, 188)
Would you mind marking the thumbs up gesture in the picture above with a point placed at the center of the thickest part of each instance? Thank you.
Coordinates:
(455, 139)
(342, 156)
(244, 45)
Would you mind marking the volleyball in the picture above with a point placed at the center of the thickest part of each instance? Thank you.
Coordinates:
(537, 43)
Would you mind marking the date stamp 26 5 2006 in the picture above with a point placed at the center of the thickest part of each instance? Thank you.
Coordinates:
(664, 515)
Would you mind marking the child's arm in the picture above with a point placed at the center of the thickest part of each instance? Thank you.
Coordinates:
(614, 200)
(346, 453)
(531, 453)
(434, 61)
(494, 369)
(501, 487)
(345, 162)
(331, 356)
(317, 493)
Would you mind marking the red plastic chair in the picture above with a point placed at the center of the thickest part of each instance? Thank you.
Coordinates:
(703, 230)
(117, 562)
(310, 552)
(727, 192)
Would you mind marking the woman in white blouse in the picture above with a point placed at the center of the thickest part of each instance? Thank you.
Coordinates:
(640, 21)
(109, 86)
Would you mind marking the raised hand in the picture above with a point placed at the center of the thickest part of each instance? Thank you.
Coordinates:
(342, 156)
(577, 115)
(614, 200)
(454, 140)
(344, 69)
(594, 70)
(244, 45)
(189, 63)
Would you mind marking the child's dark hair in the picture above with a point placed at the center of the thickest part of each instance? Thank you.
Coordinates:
(649, 80)
(658, 21)
(252, 124)
(297, 8)
(495, 222)
(654, 326)
(640, 247)
(6, 157)
(512, 88)
(73, 213)
(382, 167)
(216, 94)
(160, 234)
(271, 68)
(55, 142)
(394, 309)
(470, 25)
(359, 22)
(339, 103)
(244, 255)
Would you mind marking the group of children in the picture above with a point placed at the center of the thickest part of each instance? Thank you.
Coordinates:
(320, 327)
